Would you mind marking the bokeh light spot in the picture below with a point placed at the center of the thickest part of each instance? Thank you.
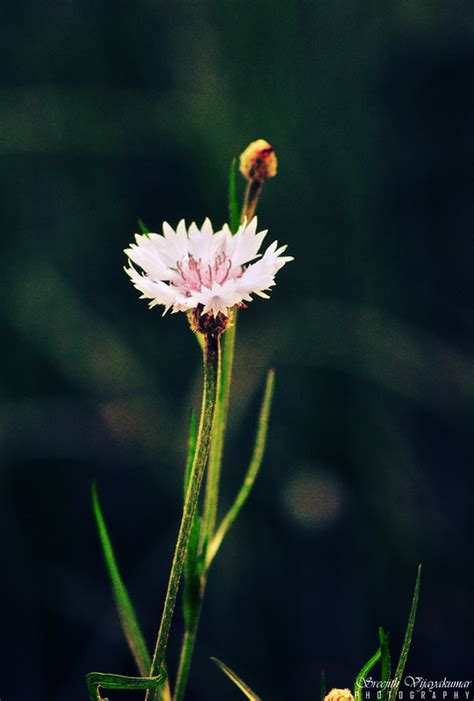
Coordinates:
(313, 497)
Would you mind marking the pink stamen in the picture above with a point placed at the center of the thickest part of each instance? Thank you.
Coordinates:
(194, 275)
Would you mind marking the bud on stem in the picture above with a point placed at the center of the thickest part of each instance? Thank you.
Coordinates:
(257, 163)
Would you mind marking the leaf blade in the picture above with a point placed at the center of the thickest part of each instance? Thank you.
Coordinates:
(408, 637)
(244, 688)
(234, 210)
(385, 661)
(192, 438)
(322, 686)
(363, 672)
(143, 228)
(96, 680)
(192, 570)
(252, 472)
(127, 616)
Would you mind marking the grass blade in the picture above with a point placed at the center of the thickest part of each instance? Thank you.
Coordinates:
(192, 569)
(246, 690)
(98, 680)
(143, 228)
(252, 471)
(408, 637)
(192, 575)
(363, 673)
(385, 661)
(234, 209)
(128, 619)
(322, 686)
(192, 433)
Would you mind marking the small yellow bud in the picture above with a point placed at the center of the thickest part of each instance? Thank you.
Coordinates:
(339, 695)
(258, 162)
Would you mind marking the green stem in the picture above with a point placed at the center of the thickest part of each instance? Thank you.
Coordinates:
(211, 498)
(217, 443)
(211, 380)
(187, 649)
(251, 198)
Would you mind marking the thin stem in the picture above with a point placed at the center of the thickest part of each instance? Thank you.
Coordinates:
(211, 497)
(217, 442)
(189, 638)
(251, 197)
(209, 397)
(187, 649)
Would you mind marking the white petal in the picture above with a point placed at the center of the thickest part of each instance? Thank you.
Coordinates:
(218, 298)
(150, 261)
(174, 245)
(159, 292)
(245, 245)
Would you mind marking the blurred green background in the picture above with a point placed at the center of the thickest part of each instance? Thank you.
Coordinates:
(114, 111)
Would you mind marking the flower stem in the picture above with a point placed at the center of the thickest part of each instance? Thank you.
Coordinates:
(251, 197)
(217, 442)
(209, 397)
(211, 501)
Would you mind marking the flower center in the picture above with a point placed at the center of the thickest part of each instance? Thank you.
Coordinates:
(193, 275)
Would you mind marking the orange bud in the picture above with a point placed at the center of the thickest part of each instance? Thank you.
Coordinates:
(258, 162)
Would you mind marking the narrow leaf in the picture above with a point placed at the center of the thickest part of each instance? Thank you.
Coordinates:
(385, 661)
(128, 619)
(322, 686)
(216, 452)
(363, 673)
(252, 472)
(191, 450)
(192, 570)
(144, 229)
(192, 575)
(97, 680)
(408, 637)
(234, 213)
(246, 690)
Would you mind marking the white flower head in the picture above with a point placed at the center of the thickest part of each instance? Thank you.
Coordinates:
(197, 268)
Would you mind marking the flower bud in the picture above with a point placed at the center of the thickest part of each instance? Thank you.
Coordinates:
(339, 695)
(258, 162)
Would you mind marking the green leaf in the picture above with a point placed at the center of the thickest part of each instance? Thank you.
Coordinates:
(192, 575)
(363, 673)
(234, 210)
(214, 466)
(98, 680)
(252, 472)
(128, 619)
(192, 569)
(385, 661)
(192, 434)
(144, 229)
(322, 686)
(246, 690)
(408, 637)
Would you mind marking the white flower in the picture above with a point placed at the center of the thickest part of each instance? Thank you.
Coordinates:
(186, 269)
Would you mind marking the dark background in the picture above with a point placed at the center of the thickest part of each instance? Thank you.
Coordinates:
(114, 111)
